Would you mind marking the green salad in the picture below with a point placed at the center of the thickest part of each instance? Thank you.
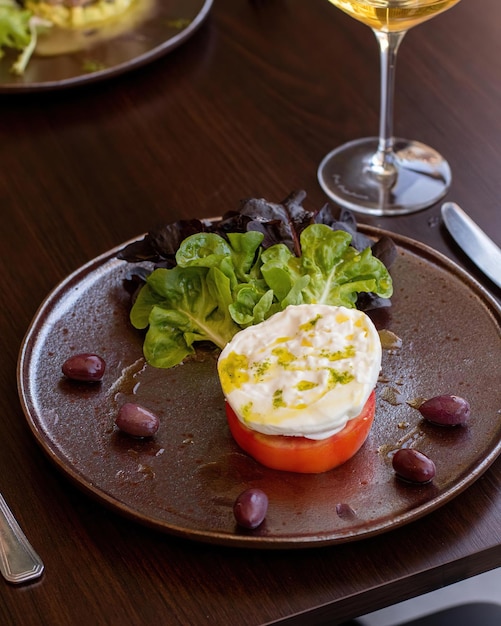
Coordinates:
(212, 284)
(19, 30)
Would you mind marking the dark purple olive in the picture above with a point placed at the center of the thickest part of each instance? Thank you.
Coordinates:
(446, 410)
(137, 421)
(250, 508)
(413, 466)
(85, 367)
(345, 511)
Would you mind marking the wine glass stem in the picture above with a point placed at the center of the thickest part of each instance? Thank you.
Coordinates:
(382, 161)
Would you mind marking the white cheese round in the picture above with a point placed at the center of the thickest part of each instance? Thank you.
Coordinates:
(304, 371)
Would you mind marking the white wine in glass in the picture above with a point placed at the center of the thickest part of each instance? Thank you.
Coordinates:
(385, 175)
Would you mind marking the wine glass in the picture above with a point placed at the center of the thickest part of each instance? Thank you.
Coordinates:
(385, 175)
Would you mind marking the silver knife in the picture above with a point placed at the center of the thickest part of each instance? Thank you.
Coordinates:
(472, 239)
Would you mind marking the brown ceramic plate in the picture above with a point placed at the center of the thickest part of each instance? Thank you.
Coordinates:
(159, 27)
(185, 480)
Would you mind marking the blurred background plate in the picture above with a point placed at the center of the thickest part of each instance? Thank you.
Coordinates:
(155, 29)
(184, 480)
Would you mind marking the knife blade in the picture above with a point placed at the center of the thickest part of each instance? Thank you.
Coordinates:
(475, 243)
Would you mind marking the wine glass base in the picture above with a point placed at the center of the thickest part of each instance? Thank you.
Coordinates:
(422, 178)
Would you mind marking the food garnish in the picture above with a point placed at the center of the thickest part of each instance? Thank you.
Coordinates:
(211, 279)
(446, 410)
(413, 466)
(136, 420)
(84, 367)
(345, 511)
(250, 508)
(19, 30)
(90, 66)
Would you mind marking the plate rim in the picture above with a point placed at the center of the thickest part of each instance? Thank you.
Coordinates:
(247, 540)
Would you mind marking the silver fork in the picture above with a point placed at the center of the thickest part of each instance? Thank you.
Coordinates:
(19, 563)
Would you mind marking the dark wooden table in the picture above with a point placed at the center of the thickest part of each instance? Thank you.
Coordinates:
(247, 107)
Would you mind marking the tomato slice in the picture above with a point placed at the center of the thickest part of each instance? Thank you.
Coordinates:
(299, 454)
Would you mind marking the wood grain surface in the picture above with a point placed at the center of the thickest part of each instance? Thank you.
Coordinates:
(246, 108)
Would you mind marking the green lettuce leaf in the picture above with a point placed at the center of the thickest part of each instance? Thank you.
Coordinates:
(14, 26)
(220, 286)
(19, 30)
(251, 305)
(181, 306)
(238, 258)
(329, 270)
(214, 290)
(238, 255)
